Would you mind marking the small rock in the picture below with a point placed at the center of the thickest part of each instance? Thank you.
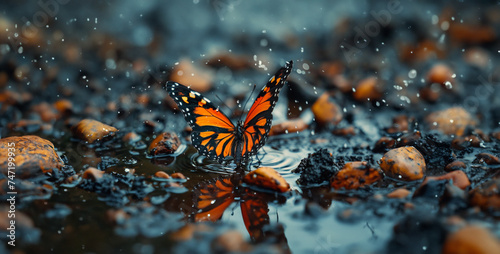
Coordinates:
(46, 111)
(368, 89)
(355, 175)
(162, 174)
(178, 176)
(458, 177)
(231, 61)
(431, 92)
(187, 231)
(165, 143)
(477, 56)
(30, 126)
(267, 178)
(295, 125)
(399, 124)
(197, 77)
(93, 174)
(471, 239)
(486, 196)
(471, 34)
(326, 111)
(451, 121)
(399, 193)
(495, 134)
(347, 131)
(142, 99)
(131, 137)
(455, 165)
(440, 74)
(91, 130)
(63, 106)
(229, 242)
(487, 158)
(384, 144)
(404, 163)
(30, 155)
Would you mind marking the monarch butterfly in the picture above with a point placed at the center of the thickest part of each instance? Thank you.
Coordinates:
(214, 135)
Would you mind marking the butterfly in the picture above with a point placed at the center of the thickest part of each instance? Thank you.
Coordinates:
(214, 135)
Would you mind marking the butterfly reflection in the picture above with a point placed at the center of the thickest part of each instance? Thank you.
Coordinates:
(213, 197)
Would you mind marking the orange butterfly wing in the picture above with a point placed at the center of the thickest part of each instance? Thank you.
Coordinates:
(254, 211)
(213, 198)
(213, 133)
(259, 118)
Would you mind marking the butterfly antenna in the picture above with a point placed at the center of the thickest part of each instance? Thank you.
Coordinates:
(245, 105)
(223, 103)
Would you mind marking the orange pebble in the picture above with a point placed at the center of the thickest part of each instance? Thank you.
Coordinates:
(268, 178)
(404, 163)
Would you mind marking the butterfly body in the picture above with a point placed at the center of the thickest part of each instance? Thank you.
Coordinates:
(214, 134)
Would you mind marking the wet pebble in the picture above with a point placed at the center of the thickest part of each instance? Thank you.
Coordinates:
(178, 175)
(404, 163)
(399, 193)
(354, 175)
(229, 242)
(188, 231)
(455, 165)
(326, 111)
(91, 130)
(131, 137)
(440, 74)
(487, 196)
(458, 177)
(384, 144)
(30, 126)
(162, 174)
(487, 158)
(30, 155)
(189, 74)
(347, 131)
(471, 33)
(451, 121)
(368, 89)
(232, 61)
(63, 106)
(267, 178)
(93, 174)
(165, 143)
(400, 123)
(46, 111)
(477, 56)
(471, 239)
(290, 126)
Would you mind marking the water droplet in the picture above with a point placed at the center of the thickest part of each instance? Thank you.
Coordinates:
(412, 74)
(263, 43)
(448, 85)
